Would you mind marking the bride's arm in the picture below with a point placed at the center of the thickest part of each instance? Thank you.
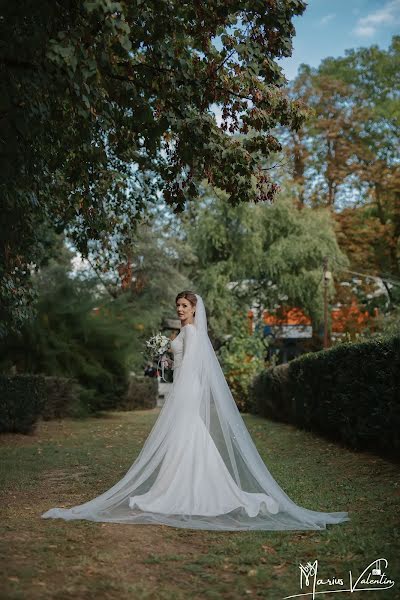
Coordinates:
(190, 364)
(189, 339)
(189, 336)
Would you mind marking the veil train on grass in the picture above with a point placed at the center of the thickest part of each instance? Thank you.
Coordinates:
(199, 467)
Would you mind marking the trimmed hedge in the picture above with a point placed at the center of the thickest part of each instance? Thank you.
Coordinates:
(349, 393)
(22, 399)
(142, 393)
(25, 398)
(64, 398)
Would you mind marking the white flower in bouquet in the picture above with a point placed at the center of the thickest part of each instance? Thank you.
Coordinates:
(157, 345)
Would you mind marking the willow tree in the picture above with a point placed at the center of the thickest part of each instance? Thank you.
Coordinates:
(271, 255)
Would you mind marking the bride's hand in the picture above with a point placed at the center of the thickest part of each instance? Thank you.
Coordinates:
(167, 362)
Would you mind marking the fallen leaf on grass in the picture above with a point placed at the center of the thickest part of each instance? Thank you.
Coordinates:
(280, 568)
(268, 549)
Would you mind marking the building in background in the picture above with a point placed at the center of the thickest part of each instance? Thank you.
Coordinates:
(288, 330)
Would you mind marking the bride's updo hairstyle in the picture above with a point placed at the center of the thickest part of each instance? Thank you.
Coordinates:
(188, 295)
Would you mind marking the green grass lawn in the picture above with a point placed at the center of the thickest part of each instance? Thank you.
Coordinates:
(67, 462)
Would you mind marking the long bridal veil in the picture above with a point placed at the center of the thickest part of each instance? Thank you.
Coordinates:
(200, 390)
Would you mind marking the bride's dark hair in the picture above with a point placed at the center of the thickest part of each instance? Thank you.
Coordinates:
(188, 295)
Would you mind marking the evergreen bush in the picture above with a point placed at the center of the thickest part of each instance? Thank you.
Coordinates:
(22, 399)
(349, 393)
(142, 393)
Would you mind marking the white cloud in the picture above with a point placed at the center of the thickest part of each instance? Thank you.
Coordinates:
(389, 14)
(326, 19)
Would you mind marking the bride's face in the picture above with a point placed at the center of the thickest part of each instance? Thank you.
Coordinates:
(185, 310)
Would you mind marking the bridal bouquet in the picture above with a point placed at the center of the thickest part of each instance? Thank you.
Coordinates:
(157, 346)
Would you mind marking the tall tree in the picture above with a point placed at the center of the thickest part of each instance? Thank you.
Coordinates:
(346, 156)
(348, 150)
(271, 255)
(105, 103)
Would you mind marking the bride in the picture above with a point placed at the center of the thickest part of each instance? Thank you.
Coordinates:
(199, 467)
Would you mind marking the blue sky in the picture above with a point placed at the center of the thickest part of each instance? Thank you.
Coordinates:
(329, 27)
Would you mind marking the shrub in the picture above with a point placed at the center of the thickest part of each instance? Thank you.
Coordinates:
(269, 393)
(142, 393)
(241, 358)
(349, 393)
(75, 335)
(64, 397)
(22, 399)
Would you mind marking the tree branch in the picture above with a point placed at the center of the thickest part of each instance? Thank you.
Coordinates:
(15, 62)
(113, 295)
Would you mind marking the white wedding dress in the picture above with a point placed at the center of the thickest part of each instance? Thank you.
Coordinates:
(192, 459)
(199, 467)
